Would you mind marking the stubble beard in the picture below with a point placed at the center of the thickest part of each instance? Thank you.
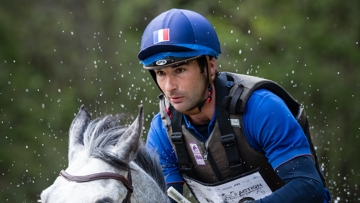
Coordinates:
(191, 101)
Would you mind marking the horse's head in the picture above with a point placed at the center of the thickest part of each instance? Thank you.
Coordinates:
(102, 167)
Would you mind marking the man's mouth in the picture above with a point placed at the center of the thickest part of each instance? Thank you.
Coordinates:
(175, 99)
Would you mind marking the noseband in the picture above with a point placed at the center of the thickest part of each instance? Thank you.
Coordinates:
(104, 175)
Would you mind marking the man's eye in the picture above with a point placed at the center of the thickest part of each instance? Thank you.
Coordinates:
(180, 70)
(159, 73)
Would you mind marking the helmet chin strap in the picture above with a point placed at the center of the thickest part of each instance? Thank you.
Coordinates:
(197, 109)
(210, 80)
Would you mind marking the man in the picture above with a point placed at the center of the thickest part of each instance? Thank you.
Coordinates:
(229, 137)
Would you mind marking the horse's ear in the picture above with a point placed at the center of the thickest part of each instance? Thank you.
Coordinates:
(129, 143)
(77, 129)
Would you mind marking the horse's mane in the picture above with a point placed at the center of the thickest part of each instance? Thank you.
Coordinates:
(103, 132)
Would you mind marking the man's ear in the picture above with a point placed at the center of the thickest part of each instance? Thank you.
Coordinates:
(212, 66)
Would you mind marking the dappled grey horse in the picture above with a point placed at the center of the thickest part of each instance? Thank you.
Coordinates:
(107, 164)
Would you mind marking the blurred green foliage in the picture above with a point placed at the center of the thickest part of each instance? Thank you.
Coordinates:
(57, 55)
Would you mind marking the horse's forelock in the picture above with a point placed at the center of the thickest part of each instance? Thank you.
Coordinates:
(103, 133)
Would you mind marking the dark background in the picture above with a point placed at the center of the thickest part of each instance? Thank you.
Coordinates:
(57, 55)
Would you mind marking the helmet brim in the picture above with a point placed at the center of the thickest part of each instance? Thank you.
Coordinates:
(174, 62)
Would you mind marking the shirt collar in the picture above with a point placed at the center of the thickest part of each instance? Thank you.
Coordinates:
(210, 126)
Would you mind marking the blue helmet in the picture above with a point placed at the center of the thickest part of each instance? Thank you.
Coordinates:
(177, 34)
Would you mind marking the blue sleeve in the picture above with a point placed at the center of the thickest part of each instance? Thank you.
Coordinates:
(270, 127)
(157, 140)
(303, 183)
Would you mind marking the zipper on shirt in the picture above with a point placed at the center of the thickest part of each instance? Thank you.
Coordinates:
(206, 150)
(206, 154)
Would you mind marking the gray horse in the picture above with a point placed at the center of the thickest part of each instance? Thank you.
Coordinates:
(107, 164)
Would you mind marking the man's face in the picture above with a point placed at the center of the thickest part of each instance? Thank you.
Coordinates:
(184, 85)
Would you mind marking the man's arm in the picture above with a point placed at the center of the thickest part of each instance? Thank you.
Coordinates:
(157, 140)
(303, 183)
(271, 128)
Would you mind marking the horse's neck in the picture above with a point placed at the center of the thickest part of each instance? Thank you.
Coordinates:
(145, 188)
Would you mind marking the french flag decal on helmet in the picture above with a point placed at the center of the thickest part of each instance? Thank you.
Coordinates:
(162, 35)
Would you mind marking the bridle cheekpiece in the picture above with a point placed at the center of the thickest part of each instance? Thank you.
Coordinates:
(104, 175)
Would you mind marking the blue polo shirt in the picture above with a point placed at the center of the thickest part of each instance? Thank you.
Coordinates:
(269, 126)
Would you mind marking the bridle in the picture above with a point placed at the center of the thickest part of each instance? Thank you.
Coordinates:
(104, 175)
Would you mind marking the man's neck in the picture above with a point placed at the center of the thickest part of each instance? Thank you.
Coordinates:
(206, 114)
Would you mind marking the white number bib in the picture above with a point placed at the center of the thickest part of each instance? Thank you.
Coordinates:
(249, 187)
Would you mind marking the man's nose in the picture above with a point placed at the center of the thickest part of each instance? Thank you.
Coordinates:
(170, 83)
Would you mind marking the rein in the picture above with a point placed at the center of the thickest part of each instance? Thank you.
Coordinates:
(104, 175)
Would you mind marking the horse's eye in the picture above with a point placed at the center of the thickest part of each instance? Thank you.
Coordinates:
(105, 200)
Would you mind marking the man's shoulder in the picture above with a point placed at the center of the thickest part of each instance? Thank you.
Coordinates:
(263, 93)
(265, 97)
(156, 119)
(157, 116)
(157, 129)
(263, 101)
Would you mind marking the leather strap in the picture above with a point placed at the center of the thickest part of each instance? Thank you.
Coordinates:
(104, 175)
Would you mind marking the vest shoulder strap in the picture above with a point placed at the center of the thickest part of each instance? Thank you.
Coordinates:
(172, 120)
(249, 84)
(227, 138)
